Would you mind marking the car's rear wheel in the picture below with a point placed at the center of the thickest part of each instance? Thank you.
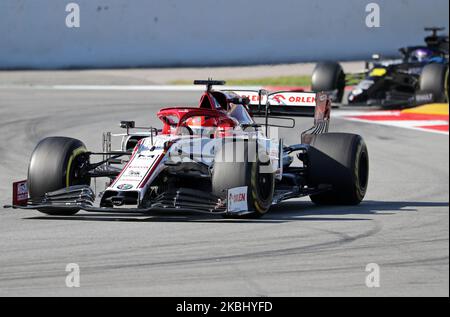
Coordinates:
(56, 163)
(342, 161)
(239, 164)
(329, 76)
(434, 80)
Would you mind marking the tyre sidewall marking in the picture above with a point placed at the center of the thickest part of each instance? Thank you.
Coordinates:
(74, 154)
(254, 190)
(360, 192)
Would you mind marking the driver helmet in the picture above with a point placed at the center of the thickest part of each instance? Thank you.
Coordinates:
(421, 55)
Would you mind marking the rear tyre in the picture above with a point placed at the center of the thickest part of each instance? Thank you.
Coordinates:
(237, 164)
(329, 76)
(434, 79)
(56, 163)
(342, 161)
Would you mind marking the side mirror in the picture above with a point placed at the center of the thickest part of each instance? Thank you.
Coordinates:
(127, 124)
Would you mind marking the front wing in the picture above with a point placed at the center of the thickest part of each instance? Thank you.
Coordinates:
(181, 200)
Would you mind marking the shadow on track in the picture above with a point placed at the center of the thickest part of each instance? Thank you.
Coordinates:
(284, 212)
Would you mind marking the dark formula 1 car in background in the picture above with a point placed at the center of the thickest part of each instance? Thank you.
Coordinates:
(419, 76)
(214, 159)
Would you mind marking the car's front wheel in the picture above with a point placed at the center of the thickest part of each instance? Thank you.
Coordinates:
(434, 80)
(240, 164)
(56, 163)
(329, 76)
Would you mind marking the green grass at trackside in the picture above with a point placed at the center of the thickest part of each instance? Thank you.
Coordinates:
(264, 81)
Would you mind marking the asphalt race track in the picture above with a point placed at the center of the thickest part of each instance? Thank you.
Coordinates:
(296, 250)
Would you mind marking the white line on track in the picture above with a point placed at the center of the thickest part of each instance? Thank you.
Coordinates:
(350, 113)
(406, 124)
(125, 87)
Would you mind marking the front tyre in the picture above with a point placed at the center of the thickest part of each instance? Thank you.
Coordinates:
(434, 79)
(342, 161)
(56, 163)
(239, 164)
(329, 76)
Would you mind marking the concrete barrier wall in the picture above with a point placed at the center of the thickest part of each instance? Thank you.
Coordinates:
(124, 33)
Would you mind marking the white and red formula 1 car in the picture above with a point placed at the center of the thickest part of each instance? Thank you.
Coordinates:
(213, 159)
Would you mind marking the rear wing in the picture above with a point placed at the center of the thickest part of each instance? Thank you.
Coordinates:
(285, 103)
(288, 103)
(291, 104)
